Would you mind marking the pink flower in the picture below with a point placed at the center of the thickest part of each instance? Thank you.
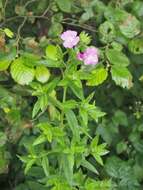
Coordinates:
(80, 56)
(70, 38)
(89, 57)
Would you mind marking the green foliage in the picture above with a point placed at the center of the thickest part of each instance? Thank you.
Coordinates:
(21, 73)
(98, 76)
(64, 124)
(8, 32)
(122, 76)
(42, 74)
(64, 5)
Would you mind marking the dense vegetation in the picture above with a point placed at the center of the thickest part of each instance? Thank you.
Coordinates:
(71, 105)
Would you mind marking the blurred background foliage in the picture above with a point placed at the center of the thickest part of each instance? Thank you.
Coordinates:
(114, 23)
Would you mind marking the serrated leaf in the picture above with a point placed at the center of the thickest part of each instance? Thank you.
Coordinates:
(46, 129)
(98, 150)
(65, 5)
(98, 185)
(136, 46)
(85, 38)
(130, 27)
(98, 76)
(117, 58)
(122, 76)
(21, 73)
(55, 30)
(107, 32)
(93, 111)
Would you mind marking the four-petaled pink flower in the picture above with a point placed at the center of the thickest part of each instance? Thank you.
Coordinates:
(89, 56)
(70, 38)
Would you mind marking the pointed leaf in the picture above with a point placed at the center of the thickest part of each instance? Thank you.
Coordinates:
(73, 123)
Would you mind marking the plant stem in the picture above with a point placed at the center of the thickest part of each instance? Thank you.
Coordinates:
(19, 33)
(64, 94)
(64, 99)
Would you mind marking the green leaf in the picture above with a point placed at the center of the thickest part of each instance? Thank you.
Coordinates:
(4, 64)
(49, 135)
(55, 30)
(130, 27)
(30, 59)
(112, 166)
(120, 118)
(98, 76)
(69, 104)
(122, 76)
(43, 102)
(115, 15)
(98, 185)
(73, 123)
(36, 108)
(117, 58)
(84, 115)
(67, 165)
(64, 5)
(121, 147)
(89, 166)
(48, 88)
(45, 165)
(136, 46)
(21, 73)
(98, 150)
(85, 38)
(8, 32)
(93, 111)
(51, 63)
(137, 7)
(95, 141)
(106, 32)
(52, 52)
(33, 185)
(39, 140)
(46, 129)
(76, 87)
(42, 74)
(29, 164)
(117, 46)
